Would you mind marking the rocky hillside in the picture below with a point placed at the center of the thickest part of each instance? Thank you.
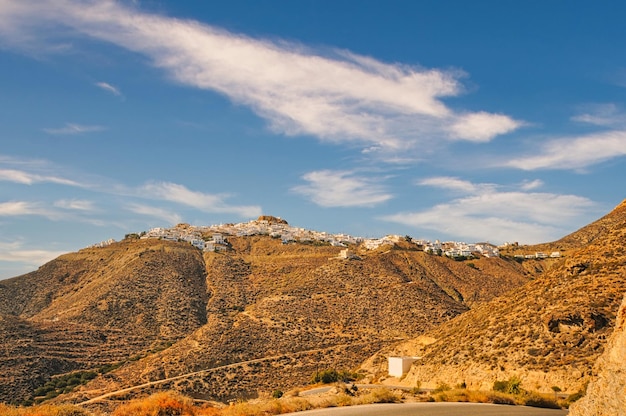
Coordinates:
(606, 394)
(549, 332)
(96, 307)
(259, 316)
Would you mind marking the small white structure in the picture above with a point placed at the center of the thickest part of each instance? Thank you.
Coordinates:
(347, 254)
(399, 366)
(218, 238)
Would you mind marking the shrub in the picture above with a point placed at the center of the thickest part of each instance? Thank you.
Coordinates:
(325, 377)
(43, 410)
(331, 376)
(277, 394)
(511, 386)
(441, 387)
(499, 398)
(158, 404)
(537, 400)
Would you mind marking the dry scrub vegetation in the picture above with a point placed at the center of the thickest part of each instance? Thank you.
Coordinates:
(174, 404)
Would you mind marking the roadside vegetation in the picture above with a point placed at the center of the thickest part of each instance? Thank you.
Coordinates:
(169, 403)
(504, 392)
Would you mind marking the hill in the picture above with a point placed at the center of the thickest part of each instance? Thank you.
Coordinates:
(548, 332)
(606, 392)
(258, 316)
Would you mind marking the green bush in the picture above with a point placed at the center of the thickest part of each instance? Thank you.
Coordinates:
(277, 394)
(510, 386)
(331, 376)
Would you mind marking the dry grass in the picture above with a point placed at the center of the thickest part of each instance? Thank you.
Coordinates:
(43, 410)
(174, 404)
(525, 398)
(163, 404)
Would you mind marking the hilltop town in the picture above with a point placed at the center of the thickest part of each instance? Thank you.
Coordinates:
(214, 238)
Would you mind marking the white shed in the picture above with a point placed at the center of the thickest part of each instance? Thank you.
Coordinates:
(399, 366)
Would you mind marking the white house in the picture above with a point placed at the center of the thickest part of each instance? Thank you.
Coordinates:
(347, 254)
(399, 366)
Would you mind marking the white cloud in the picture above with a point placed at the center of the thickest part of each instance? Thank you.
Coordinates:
(27, 178)
(73, 128)
(531, 185)
(574, 152)
(204, 202)
(454, 184)
(338, 97)
(75, 204)
(329, 188)
(159, 213)
(490, 213)
(14, 252)
(18, 208)
(605, 115)
(39, 209)
(482, 126)
(109, 88)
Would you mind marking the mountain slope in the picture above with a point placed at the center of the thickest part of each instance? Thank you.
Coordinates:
(606, 394)
(293, 307)
(96, 307)
(548, 332)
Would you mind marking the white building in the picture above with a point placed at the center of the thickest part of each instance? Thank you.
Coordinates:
(399, 366)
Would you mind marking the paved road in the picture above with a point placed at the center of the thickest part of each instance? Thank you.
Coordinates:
(432, 409)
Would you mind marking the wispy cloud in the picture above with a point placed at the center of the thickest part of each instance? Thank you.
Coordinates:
(532, 185)
(109, 88)
(29, 178)
(329, 188)
(338, 97)
(17, 208)
(490, 212)
(574, 153)
(75, 204)
(156, 212)
(607, 115)
(72, 128)
(204, 202)
(16, 253)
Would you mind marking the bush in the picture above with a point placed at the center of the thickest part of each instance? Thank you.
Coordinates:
(536, 400)
(277, 394)
(378, 395)
(43, 410)
(325, 377)
(510, 386)
(441, 387)
(331, 376)
(158, 404)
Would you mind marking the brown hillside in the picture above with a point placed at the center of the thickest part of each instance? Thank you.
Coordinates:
(273, 313)
(548, 332)
(95, 307)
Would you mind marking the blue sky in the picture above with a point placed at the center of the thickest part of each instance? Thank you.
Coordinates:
(472, 121)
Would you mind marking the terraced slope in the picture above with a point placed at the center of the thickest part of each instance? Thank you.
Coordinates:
(97, 307)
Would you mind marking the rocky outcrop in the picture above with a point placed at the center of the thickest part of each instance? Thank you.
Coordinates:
(606, 394)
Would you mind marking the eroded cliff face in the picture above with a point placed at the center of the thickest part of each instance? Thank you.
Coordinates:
(606, 394)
